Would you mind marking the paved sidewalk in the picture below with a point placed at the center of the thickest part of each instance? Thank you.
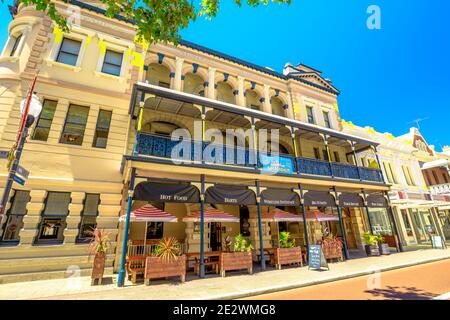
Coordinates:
(213, 287)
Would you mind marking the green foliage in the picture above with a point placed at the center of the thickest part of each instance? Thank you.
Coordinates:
(100, 242)
(284, 240)
(371, 239)
(157, 20)
(240, 244)
(167, 249)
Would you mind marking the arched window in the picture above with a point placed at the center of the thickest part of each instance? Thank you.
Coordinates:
(159, 75)
(253, 100)
(194, 84)
(225, 93)
(277, 107)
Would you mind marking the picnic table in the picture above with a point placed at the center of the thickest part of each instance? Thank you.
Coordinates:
(212, 258)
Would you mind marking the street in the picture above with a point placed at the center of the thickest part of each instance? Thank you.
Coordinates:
(421, 282)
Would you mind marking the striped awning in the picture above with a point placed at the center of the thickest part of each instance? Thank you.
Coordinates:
(316, 215)
(278, 215)
(149, 213)
(211, 215)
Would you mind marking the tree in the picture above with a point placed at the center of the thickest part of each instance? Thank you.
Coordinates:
(156, 20)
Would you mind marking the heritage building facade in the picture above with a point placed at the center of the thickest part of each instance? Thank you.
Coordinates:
(110, 105)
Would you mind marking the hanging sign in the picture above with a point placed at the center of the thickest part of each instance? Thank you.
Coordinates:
(316, 259)
(178, 192)
(274, 164)
(23, 172)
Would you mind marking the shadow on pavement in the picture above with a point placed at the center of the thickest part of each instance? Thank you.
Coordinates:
(402, 293)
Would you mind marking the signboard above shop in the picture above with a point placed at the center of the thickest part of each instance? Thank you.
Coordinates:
(276, 164)
(226, 194)
(181, 192)
(279, 197)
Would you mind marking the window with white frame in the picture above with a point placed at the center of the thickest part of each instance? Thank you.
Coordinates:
(326, 119)
(15, 42)
(112, 62)
(69, 51)
(15, 46)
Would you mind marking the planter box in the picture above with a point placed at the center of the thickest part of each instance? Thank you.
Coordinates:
(332, 252)
(384, 249)
(156, 268)
(390, 241)
(98, 268)
(287, 256)
(230, 261)
(372, 251)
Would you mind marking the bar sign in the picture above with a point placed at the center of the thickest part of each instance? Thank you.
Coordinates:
(19, 180)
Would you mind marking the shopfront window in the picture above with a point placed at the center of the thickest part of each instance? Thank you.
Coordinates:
(14, 216)
(89, 217)
(408, 227)
(379, 219)
(53, 222)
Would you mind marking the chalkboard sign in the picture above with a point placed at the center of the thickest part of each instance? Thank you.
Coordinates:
(316, 258)
(437, 242)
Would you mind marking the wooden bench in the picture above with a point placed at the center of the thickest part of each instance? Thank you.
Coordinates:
(135, 267)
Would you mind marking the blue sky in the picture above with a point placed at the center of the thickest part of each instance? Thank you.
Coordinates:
(387, 77)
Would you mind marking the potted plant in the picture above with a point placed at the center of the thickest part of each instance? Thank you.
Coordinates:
(371, 246)
(287, 253)
(383, 245)
(167, 260)
(99, 246)
(332, 247)
(240, 258)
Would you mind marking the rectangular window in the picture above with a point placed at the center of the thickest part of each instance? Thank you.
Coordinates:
(336, 156)
(411, 176)
(326, 118)
(317, 153)
(89, 217)
(310, 114)
(45, 120)
(387, 172)
(15, 45)
(75, 125)
(325, 155)
(102, 129)
(53, 220)
(408, 176)
(394, 177)
(14, 216)
(69, 51)
(112, 62)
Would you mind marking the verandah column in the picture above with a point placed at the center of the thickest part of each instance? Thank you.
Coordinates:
(122, 273)
(294, 144)
(341, 226)
(261, 241)
(202, 226)
(305, 228)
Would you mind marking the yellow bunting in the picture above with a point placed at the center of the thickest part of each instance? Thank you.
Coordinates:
(141, 41)
(336, 107)
(390, 136)
(296, 107)
(58, 35)
(371, 130)
(102, 46)
(137, 61)
(87, 41)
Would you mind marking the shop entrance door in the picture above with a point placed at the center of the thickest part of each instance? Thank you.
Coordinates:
(418, 226)
(348, 228)
(216, 236)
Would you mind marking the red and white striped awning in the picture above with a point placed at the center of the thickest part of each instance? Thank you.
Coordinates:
(149, 213)
(317, 215)
(211, 215)
(278, 215)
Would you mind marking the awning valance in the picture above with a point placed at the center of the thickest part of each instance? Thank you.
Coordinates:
(234, 195)
(279, 197)
(350, 200)
(376, 201)
(149, 213)
(181, 192)
(211, 215)
(319, 199)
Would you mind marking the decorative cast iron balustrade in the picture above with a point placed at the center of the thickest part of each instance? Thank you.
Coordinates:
(314, 167)
(164, 147)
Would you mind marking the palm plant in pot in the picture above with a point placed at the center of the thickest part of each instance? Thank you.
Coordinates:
(371, 246)
(384, 247)
(167, 260)
(240, 258)
(287, 253)
(99, 247)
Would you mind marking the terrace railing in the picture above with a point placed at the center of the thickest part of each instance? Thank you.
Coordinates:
(233, 156)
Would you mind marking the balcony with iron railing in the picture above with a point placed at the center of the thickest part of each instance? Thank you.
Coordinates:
(157, 147)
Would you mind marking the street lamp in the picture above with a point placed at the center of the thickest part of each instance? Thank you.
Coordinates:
(30, 108)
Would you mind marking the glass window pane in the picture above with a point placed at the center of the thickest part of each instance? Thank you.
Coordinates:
(41, 134)
(111, 69)
(12, 228)
(67, 58)
(113, 57)
(91, 204)
(104, 119)
(15, 45)
(45, 120)
(75, 125)
(57, 203)
(70, 46)
(20, 200)
(102, 130)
